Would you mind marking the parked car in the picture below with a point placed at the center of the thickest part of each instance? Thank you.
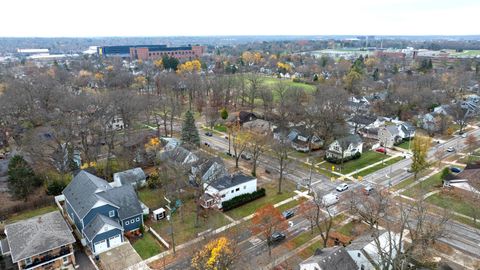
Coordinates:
(381, 150)
(368, 190)
(450, 149)
(464, 135)
(207, 144)
(277, 237)
(330, 199)
(246, 156)
(455, 170)
(342, 187)
(288, 214)
(209, 134)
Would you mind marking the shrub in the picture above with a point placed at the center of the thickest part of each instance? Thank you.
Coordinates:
(357, 155)
(55, 187)
(242, 199)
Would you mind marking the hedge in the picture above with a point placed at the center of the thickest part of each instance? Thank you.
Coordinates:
(339, 160)
(242, 199)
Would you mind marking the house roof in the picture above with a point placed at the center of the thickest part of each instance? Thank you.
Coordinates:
(472, 174)
(94, 227)
(125, 198)
(393, 130)
(178, 154)
(333, 258)
(351, 139)
(131, 176)
(360, 242)
(230, 181)
(364, 120)
(37, 235)
(80, 193)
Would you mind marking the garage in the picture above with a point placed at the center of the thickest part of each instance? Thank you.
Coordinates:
(100, 246)
(115, 240)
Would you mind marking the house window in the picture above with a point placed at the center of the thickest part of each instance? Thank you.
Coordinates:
(358, 255)
(28, 261)
(65, 260)
(138, 219)
(237, 189)
(111, 213)
(232, 190)
(223, 196)
(132, 221)
(127, 222)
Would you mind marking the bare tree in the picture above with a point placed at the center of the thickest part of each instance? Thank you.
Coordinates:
(281, 149)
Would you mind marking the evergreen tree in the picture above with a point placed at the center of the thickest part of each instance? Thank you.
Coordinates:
(21, 179)
(375, 75)
(224, 114)
(189, 131)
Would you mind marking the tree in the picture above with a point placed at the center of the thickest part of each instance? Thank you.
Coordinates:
(472, 143)
(318, 214)
(21, 179)
(258, 143)
(218, 254)
(224, 114)
(266, 221)
(420, 146)
(189, 131)
(281, 150)
(240, 140)
(461, 116)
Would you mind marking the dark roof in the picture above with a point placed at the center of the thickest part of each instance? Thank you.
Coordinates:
(230, 181)
(131, 176)
(364, 120)
(37, 235)
(94, 227)
(244, 117)
(177, 155)
(472, 174)
(80, 193)
(125, 198)
(351, 139)
(332, 258)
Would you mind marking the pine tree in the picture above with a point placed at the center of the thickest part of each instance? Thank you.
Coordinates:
(189, 131)
(21, 178)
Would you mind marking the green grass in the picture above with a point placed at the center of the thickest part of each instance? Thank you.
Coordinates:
(220, 128)
(403, 184)
(454, 202)
(404, 145)
(147, 246)
(153, 198)
(184, 229)
(271, 82)
(378, 167)
(366, 159)
(271, 198)
(424, 187)
(32, 213)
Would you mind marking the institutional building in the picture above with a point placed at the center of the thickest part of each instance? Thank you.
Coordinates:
(150, 52)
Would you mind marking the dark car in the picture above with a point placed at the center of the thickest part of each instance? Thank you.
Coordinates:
(288, 214)
(209, 134)
(207, 144)
(455, 170)
(277, 237)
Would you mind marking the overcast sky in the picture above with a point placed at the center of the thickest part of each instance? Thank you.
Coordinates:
(80, 18)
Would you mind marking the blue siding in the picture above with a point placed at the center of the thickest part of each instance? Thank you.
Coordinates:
(74, 216)
(132, 226)
(99, 210)
(105, 235)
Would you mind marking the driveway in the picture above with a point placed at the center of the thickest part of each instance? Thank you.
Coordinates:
(83, 261)
(119, 258)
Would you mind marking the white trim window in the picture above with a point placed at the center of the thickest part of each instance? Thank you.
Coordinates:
(127, 222)
(111, 213)
(65, 260)
(28, 261)
(138, 219)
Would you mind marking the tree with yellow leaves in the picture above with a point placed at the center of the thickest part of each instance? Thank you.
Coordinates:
(283, 67)
(158, 63)
(152, 148)
(420, 147)
(218, 254)
(247, 57)
(189, 67)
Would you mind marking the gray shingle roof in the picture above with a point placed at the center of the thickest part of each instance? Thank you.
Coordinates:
(131, 176)
(80, 193)
(351, 139)
(125, 198)
(36, 235)
(333, 258)
(230, 181)
(393, 130)
(94, 227)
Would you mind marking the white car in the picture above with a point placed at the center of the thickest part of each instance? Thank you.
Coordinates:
(342, 187)
(450, 149)
(464, 135)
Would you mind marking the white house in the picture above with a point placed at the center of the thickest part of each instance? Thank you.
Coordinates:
(226, 188)
(365, 251)
(345, 147)
(332, 258)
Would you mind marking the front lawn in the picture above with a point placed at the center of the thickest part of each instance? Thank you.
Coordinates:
(428, 185)
(404, 145)
(147, 246)
(271, 197)
(378, 167)
(455, 202)
(32, 213)
(367, 158)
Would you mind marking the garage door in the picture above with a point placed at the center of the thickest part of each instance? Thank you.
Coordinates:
(100, 246)
(115, 241)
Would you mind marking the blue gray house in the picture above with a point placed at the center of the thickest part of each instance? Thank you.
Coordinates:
(102, 213)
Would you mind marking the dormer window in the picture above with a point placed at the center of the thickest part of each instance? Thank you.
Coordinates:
(111, 213)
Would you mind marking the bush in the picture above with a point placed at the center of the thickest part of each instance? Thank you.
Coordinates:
(242, 199)
(339, 160)
(55, 187)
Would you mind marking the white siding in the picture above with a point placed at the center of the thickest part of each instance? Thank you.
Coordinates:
(231, 192)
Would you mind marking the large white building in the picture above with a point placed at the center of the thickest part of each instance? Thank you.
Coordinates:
(227, 187)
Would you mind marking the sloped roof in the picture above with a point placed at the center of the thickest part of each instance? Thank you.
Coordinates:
(393, 130)
(230, 181)
(131, 176)
(94, 227)
(125, 198)
(363, 119)
(333, 258)
(37, 235)
(80, 193)
(472, 174)
(351, 139)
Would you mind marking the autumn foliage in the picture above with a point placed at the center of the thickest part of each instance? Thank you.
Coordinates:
(268, 220)
(218, 254)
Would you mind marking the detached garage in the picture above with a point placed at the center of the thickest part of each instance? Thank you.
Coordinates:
(103, 234)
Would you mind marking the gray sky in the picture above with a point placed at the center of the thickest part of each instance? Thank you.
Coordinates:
(80, 18)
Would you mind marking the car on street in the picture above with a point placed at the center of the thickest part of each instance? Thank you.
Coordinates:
(368, 190)
(288, 214)
(464, 135)
(246, 156)
(277, 237)
(381, 150)
(342, 187)
(450, 149)
(330, 199)
(455, 170)
(226, 137)
(209, 134)
(207, 144)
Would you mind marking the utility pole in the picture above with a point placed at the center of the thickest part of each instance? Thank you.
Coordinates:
(169, 218)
